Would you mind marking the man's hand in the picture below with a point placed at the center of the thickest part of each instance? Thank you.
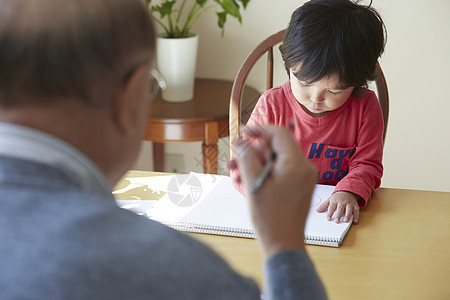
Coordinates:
(280, 207)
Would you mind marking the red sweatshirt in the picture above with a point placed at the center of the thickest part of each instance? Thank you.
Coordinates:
(346, 145)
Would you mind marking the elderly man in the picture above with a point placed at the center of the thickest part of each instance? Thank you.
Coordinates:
(75, 88)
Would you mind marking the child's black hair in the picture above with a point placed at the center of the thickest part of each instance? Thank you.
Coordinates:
(338, 37)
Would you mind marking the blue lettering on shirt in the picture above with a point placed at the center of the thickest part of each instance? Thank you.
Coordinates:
(334, 165)
(315, 150)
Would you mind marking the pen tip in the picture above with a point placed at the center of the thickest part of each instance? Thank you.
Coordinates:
(273, 156)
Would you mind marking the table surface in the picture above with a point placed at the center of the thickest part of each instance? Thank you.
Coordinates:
(399, 249)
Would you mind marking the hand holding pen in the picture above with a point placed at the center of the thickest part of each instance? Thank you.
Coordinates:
(267, 167)
(264, 173)
(280, 203)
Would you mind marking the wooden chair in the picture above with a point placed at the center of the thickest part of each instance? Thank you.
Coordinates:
(239, 112)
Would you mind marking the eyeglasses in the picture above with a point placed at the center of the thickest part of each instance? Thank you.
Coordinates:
(158, 83)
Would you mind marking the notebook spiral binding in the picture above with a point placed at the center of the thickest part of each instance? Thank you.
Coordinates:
(216, 230)
(322, 241)
(245, 233)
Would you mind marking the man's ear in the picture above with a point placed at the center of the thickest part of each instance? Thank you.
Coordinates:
(127, 100)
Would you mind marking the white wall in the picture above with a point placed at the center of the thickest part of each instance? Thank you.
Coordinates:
(416, 64)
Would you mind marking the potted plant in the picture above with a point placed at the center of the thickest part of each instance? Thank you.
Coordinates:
(177, 45)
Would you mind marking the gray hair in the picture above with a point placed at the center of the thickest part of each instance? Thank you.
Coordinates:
(56, 49)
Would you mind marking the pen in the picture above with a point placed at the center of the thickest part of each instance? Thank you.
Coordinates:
(264, 174)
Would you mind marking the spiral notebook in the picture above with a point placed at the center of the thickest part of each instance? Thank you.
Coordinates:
(205, 203)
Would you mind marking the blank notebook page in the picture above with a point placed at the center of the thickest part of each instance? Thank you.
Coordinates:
(216, 207)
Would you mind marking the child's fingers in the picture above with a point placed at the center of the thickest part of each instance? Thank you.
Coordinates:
(237, 179)
(339, 212)
(323, 207)
(331, 209)
(234, 174)
(356, 214)
(348, 212)
(232, 165)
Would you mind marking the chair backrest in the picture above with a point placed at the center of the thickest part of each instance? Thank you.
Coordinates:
(239, 112)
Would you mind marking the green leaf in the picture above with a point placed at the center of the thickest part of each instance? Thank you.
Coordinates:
(230, 7)
(201, 2)
(164, 9)
(221, 19)
(244, 3)
(176, 18)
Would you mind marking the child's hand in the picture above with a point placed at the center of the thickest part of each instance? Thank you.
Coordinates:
(341, 204)
(234, 172)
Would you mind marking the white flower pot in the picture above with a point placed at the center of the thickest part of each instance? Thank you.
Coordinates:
(177, 58)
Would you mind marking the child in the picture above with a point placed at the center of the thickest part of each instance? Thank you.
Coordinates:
(330, 52)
